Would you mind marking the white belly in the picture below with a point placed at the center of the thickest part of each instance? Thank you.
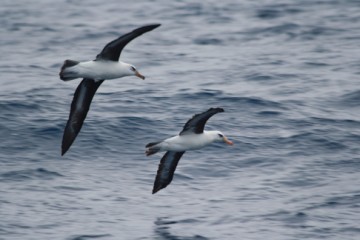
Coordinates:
(185, 142)
(99, 70)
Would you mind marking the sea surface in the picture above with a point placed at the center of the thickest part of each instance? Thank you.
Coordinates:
(286, 72)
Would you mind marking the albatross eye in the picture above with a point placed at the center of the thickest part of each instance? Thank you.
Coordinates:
(220, 135)
(133, 69)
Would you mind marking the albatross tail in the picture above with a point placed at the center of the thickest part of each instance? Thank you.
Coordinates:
(151, 148)
(65, 73)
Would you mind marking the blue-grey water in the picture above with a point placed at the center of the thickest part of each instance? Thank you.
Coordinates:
(286, 73)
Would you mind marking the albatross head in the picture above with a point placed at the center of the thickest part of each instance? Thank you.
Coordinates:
(219, 136)
(132, 71)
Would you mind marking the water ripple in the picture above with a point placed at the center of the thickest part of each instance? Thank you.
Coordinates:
(29, 174)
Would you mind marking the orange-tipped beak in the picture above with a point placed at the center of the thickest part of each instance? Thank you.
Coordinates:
(139, 75)
(227, 141)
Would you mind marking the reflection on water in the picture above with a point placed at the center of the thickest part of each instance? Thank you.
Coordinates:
(163, 231)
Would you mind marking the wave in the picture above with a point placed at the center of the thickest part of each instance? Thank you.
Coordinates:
(351, 99)
(29, 174)
(89, 236)
(277, 11)
(253, 101)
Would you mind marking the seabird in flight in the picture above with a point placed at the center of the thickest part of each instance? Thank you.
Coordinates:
(191, 137)
(105, 66)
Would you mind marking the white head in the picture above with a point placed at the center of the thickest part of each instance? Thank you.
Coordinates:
(131, 70)
(219, 137)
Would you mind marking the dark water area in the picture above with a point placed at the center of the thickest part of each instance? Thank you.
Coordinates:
(286, 73)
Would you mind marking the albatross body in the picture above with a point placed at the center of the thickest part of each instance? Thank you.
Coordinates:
(105, 66)
(192, 137)
(189, 142)
(99, 70)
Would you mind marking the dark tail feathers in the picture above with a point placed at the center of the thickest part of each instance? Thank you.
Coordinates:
(67, 63)
(151, 148)
(151, 144)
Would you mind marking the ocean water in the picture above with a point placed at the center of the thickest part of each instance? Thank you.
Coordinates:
(286, 73)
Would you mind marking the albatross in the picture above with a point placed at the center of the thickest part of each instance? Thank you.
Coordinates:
(192, 137)
(105, 66)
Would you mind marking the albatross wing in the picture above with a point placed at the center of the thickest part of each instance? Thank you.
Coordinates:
(113, 49)
(79, 109)
(197, 123)
(166, 170)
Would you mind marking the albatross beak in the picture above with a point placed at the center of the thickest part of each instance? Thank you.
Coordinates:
(139, 75)
(226, 140)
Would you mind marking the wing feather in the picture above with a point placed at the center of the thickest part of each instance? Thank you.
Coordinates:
(113, 49)
(197, 123)
(166, 170)
(79, 109)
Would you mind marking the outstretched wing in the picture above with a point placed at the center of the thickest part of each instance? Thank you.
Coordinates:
(113, 49)
(166, 170)
(197, 123)
(79, 109)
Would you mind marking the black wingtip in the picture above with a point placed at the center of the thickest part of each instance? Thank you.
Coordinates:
(155, 25)
(66, 144)
(147, 28)
(218, 109)
(156, 189)
(64, 150)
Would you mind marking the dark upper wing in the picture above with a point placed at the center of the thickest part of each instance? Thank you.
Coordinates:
(113, 49)
(166, 170)
(79, 109)
(197, 123)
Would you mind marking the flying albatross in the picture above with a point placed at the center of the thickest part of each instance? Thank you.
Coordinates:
(191, 137)
(105, 66)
